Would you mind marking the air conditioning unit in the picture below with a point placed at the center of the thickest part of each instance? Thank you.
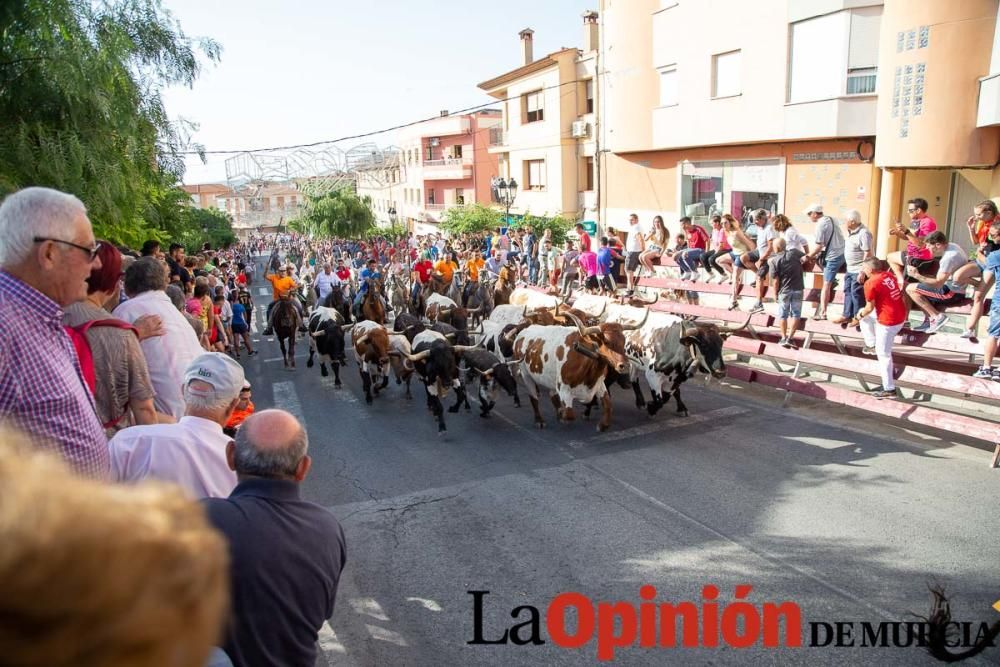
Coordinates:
(580, 129)
(435, 141)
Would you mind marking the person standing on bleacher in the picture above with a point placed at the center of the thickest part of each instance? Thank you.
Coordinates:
(881, 319)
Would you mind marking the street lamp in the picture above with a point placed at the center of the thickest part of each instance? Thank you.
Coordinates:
(506, 193)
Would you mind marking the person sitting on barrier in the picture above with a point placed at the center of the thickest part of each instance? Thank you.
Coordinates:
(782, 228)
(718, 248)
(697, 244)
(828, 254)
(993, 333)
(655, 244)
(941, 289)
(858, 247)
(281, 285)
(915, 235)
(750, 260)
(987, 238)
(739, 244)
(881, 319)
(786, 268)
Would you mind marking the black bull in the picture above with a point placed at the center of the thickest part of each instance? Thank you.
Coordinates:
(436, 364)
(327, 339)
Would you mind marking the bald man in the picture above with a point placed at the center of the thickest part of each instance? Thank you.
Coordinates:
(287, 553)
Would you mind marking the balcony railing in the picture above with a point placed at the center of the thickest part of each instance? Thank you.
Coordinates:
(448, 161)
(498, 137)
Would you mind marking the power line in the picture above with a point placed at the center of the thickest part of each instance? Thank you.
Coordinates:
(373, 132)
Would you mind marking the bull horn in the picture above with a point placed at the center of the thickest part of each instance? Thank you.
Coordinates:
(473, 311)
(419, 356)
(656, 297)
(578, 323)
(485, 374)
(450, 336)
(592, 331)
(317, 334)
(729, 331)
(633, 327)
(459, 349)
(347, 327)
(524, 310)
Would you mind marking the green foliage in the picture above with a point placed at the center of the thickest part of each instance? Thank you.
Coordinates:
(80, 85)
(473, 219)
(205, 225)
(336, 214)
(393, 232)
(559, 225)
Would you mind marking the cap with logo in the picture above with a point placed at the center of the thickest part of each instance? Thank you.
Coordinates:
(220, 371)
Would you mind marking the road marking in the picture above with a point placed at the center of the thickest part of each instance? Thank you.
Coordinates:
(384, 635)
(262, 291)
(328, 640)
(646, 429)
(286, 398)
(431, 605)
(368, 607)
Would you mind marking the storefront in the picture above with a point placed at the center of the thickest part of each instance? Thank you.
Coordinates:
(730, 186)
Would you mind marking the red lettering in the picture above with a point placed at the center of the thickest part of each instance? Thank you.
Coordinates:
(647, 617)
(555, 620)
(710, 617)
(793, 623)
(607, 640)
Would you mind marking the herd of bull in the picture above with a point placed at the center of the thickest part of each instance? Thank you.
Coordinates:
(574, 352)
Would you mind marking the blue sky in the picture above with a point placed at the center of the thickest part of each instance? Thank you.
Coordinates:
(301, 71)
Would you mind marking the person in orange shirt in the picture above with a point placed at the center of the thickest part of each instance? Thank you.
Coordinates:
(473, 265)
(244, 408)
(444, 270)
(281, 285)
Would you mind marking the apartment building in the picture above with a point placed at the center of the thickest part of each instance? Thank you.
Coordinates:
(380, 180)
(547, 139)
(442, 163)
(854, 104)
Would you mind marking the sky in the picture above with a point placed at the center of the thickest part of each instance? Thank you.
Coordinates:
(301, 71)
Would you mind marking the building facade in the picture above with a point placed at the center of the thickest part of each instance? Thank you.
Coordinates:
(854, 104)
(547, 141)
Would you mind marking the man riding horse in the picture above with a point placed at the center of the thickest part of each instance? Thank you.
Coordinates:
(368, 276)
(281, 285)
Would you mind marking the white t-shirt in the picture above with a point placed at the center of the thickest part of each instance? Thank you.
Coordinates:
(190, 453)
(325, 283)
(952, 260)
(634, 241)
(794, 240)
(765, 235)
(167, 356)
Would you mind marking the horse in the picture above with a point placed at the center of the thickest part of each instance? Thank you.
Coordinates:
(455, 289)
(503, 287)
(371, 306)
(398, 294)
(478, 300)
(286, 323)
(336, 300)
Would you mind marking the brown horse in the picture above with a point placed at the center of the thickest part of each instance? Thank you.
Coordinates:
(286, 323)
(372, 307)
(503, 287)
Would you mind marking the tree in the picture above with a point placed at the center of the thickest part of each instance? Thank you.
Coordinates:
(80, 85)
(206, 225)
(336, 214)
(559, 225)
(473, 219)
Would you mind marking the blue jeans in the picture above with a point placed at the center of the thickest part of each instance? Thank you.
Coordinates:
(689, 259)
(532, 270)
(854, 295)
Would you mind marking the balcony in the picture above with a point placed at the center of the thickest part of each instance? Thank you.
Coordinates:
(497, 137)
(452, 168)
(445, 126)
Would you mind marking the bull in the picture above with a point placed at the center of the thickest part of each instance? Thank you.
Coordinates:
(571, 363)
(402, 367)
(668, 350)
(443, 309)
(408, 325)
(326, 337)
(434, 360)
(371, 349)
(490, 372)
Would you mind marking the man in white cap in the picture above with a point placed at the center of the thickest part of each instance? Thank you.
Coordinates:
(192, 452)
(828, 252)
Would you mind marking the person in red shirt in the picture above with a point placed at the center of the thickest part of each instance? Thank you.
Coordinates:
(422, 271)
(343, 272)
(584, 241)
(881, 319)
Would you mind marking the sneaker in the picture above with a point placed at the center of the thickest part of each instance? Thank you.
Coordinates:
(876, 388)
(268, 331)
(968, 333)
(735, 305)
(868, 351)
(884, 394)
(923, 327)
(783, 342)
(790, 344)
(694, 276)
(995, 375)
(984, 372)
(757, 308)
(936, 324)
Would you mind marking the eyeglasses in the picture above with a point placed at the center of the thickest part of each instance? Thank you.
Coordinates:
(91, 252)
(911, 210)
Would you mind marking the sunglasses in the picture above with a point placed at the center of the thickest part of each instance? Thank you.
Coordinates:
(91, 252)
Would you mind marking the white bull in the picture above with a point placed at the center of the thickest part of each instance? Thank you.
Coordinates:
(533, 299)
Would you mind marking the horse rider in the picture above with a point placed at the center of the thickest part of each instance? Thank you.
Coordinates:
(281, 285)
(473, 265)
(422, 271)
(444, 272)
(370, 272)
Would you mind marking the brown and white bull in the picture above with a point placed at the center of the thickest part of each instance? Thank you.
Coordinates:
(371, 350)
(571, 363)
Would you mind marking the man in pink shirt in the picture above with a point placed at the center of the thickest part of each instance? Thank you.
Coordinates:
(917, 251)
(588, 269)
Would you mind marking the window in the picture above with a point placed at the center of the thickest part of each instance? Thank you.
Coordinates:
(534, 174)
(281, 202)
(818, 58)
(588, 175)
(668, 86)
(430, 197)
(861, 81)
(726, 79)
(460, 196)
(862, 52)
(588, 88)
(430, 153)
(533, 106)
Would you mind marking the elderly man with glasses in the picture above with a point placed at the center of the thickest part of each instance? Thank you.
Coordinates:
(47, 251)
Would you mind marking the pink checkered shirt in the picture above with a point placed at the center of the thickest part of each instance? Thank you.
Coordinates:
(42, 391)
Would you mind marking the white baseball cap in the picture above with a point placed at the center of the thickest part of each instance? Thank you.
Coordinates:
(219, 370)
(815, 208)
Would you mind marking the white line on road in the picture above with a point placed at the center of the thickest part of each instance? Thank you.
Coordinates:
(328, 640)
(429, 605)
(384, 635)
(286, 398)
(262, 291)
(368, 607)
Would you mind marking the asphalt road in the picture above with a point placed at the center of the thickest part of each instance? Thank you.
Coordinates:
(848, 525)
